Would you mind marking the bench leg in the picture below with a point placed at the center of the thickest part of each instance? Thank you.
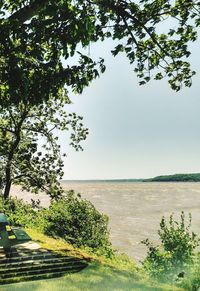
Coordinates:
(7, 251)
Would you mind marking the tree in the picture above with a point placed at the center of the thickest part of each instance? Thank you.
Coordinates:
(37, 35)
(38, 38)
(30, 155)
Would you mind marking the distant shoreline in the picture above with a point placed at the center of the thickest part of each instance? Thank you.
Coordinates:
(193, 177)
(104, 181)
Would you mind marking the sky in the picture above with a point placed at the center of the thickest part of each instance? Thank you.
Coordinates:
(135, 131)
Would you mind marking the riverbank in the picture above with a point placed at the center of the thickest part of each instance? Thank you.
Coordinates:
(134, 209)
(118, 273)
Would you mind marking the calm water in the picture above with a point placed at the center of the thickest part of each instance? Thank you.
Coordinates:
(135, 209)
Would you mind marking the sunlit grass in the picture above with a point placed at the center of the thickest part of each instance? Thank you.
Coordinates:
(95, 277)
(119, 273)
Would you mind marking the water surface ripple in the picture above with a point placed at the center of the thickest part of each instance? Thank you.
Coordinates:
(135, 209)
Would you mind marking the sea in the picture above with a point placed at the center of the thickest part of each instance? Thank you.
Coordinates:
(135, 209)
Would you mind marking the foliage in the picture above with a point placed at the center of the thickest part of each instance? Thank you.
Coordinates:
(30, 155)
(19, 213)
(191, 281)
(177, 251)
(77, 221)
(116, 273)
(193, 177)
(71, 218)
(39, 39)
(37, 35)
(101, 274)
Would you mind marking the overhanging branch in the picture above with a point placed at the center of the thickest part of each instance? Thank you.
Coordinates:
(27, 12)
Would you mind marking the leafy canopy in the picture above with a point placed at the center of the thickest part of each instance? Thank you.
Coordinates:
(37, 35)
(30, 154)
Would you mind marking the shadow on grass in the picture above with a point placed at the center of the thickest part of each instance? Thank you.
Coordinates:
(25, 263)
(59, 249)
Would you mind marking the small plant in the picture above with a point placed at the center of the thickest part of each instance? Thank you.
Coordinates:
(177, 249)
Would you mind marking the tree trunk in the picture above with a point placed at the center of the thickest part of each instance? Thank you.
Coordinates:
(8, 182)
(7, 190)
(8, 177)
(8, 173)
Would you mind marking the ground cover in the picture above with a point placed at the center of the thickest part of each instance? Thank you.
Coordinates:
(119, 273)
(95, 277)
(107, 270)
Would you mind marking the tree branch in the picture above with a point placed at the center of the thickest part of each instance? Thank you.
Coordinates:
(32, 179)
(129, 30)
(27, 12)
(124, 13)
(12, 117)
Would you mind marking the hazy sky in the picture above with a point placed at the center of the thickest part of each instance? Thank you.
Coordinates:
(135, 131)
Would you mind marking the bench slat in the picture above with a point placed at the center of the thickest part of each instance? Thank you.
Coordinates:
(20, 234)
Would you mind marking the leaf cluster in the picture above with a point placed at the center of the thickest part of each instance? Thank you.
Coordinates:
(37, 35)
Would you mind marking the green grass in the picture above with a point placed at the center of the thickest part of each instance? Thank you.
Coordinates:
(102, 274)
(95, 277)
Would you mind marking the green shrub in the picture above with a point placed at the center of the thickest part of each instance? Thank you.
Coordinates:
(176, 252)
(77, 221)
(18, 212)
(72, 218)
(192, 279)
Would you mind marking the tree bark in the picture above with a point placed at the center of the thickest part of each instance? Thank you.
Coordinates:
(8, 182)
(8, 175)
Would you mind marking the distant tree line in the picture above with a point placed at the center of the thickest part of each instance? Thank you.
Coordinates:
(176, 178)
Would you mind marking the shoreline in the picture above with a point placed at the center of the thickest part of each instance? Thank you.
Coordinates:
(134, 209)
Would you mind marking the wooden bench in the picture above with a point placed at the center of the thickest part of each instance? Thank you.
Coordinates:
(11, 236)
(3, 221)
(20, 234)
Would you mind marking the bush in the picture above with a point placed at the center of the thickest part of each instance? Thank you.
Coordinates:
(77, 221)
(18, 212)
(176, 252)
(72, 218)
(192, 280)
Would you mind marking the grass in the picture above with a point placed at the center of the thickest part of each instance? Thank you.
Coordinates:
(95, 277)
(58, 245)
(118, 274)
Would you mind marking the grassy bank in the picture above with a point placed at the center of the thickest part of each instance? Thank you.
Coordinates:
(119, 273)
(74, 228)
